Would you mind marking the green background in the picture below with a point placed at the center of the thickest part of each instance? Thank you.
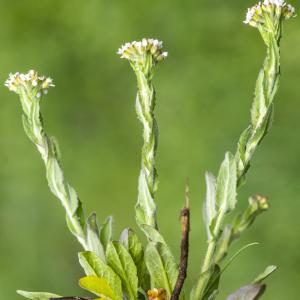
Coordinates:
(204, 92)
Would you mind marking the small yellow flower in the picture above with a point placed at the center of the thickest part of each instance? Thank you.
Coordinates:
(157, 294)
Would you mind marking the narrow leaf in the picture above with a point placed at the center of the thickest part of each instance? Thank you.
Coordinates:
(94, 266)
(226, 184)
(37, 295)
(266, 273)
(156, 268)
(161, 266)
(122, 263)
(152, 234)
(209, 211)
(131, 242)
(106, 232)
(93, 237)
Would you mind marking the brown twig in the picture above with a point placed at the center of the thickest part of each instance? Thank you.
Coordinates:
(185, 229)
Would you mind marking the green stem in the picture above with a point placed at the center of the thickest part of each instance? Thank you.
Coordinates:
(261, 117)
(32, 121)
(145, 103)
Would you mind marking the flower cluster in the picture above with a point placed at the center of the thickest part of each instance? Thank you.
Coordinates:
(32, 80)
(272, 8)
(137, 50)
(261, 201)
(157, 294)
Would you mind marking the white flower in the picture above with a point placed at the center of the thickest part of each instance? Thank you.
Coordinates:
(32, 80)
(274, 8)
(136, 51)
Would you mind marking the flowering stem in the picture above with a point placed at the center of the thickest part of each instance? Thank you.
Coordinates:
(268, 18)
(30, 88)
(145, 103)
(143, 57)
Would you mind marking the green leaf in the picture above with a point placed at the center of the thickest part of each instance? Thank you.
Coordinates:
(93, 237)
(37, 295)
(131, 242)
(122, 263)
(99, 286)
(152, 234)
(161, 266)
(145, 208)
(266, 273)
(209, 210)
(106, 232)
(94, 266)
(248, 292)
(226, 184)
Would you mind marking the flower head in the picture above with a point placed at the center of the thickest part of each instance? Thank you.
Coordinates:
(31, 81)
(261, 202)
(269, 9)
(137, 51)
(157, 294)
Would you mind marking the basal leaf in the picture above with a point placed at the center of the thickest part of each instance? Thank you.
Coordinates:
(156, 268)
(94, 266)
(119, 259)
(161, 266)
(37, 295)
(131, 242)
(99, 286)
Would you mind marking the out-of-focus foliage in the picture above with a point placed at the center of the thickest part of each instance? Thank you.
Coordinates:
(204, 94)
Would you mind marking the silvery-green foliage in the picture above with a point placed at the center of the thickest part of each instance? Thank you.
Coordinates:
(143, 57)
(268, 18)
(160, 262)
(135, 248)
(30, 88)
(119, 259)
(118, 270)
(209, 209)
(93, 236)
(106, 232)
(226, 184)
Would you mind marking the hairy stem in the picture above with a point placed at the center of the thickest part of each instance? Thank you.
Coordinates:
(261, 117)
(145, 103)
(33, 125)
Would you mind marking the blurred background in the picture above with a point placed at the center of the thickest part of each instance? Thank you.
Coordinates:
(204, 92)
